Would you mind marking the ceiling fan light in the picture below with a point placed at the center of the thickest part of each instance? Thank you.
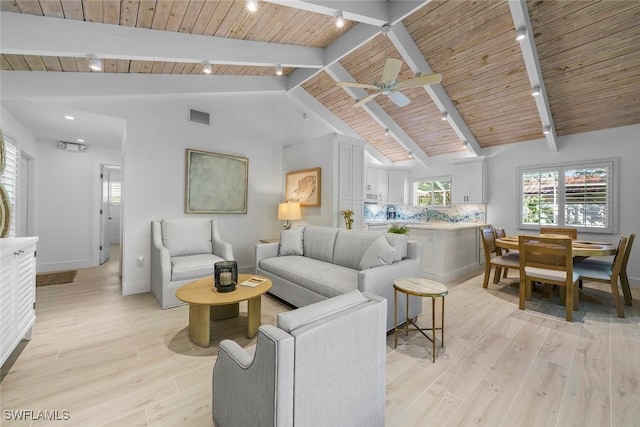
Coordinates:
(339, 20)
(546, 130)
(95, 64)
(206, 67)
(278, 70)
(252, 5)
(535, 90)
(444, 116)
(521, 33)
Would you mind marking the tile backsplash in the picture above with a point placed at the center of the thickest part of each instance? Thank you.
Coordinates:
(457, 213)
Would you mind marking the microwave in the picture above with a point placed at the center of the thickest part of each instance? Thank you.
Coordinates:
(371, 198)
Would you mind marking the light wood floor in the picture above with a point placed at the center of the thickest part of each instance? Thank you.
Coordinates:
(122, 361)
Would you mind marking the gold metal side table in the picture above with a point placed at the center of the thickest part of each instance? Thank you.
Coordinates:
(420, 287)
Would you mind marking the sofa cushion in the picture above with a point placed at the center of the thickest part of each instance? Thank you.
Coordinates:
(291, 241)
(323, 278)
(351, 246)
(187, 236)
(399, 243)
(319, 242)
(380, 252)
(193, 266)
(291, 320)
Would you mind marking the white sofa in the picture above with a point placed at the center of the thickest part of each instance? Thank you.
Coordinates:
(323, 364)
(313, 263)
(182, 250)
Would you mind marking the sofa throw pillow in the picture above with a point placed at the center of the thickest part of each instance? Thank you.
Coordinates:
(379, 253)
(291, 241)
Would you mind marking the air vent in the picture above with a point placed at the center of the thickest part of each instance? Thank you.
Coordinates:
(196, 116)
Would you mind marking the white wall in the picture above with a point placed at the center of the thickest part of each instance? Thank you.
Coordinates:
(502, 163)
(256, 126)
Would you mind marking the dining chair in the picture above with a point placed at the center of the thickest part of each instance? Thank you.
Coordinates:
(493, 256)
(548, 260)
(604, 272)
(500, 233)
(565, 231)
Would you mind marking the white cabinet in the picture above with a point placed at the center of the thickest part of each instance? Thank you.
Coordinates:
(17, 292)
(469, 182)
(398, 187)
(448, 254)
(351, 182)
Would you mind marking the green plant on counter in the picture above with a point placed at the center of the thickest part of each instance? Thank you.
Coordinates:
(398, 229)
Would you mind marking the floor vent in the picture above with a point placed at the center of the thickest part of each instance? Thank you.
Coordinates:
(196, 116)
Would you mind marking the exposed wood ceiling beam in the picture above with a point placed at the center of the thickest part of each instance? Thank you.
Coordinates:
(521, 19)
(25, 34)
(307, 101)
(402, 40)
(339, 73)
(36, 84)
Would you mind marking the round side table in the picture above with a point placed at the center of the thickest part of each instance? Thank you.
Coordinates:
(420, 287)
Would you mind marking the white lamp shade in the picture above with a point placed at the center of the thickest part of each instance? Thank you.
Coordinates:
(289, 211)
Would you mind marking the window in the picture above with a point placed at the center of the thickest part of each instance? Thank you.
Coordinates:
(114, 193)
(578, 195)
(435, 192)
(10, 179)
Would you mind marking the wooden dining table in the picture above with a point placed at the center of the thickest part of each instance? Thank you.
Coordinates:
(581, 249)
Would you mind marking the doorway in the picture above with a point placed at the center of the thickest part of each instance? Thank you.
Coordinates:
(110, 209)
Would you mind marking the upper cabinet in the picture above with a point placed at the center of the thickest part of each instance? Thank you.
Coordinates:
(386, 186)
(469, 182)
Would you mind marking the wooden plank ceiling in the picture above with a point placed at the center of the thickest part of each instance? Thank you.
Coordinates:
(588, 52)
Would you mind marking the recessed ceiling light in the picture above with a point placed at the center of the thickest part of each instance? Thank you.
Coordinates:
(521, 33)
(80, 140)
(69, 117)
(339, 20)
(278, 70)
(206, 67)
(252, 5)
(535, 91)
(444, 115)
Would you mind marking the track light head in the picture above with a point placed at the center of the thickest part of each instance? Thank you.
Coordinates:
(279, 70)
(410, 155)
(546, 130)
(95, 64)
(386, 132)
(521, 33)
(206, 67)
(444, 115)
(464, 143)
(339, 20)
(535, 90)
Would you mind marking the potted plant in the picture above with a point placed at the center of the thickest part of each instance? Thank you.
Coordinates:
(348, 218)
(398, 229)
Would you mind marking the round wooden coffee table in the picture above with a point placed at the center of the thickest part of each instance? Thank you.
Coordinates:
(206, 304)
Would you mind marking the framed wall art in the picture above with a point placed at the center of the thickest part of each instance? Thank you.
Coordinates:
(216, 183)
(304, 186)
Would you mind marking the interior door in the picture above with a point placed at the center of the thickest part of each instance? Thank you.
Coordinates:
(105, 241)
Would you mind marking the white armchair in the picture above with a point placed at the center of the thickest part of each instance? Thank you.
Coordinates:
(323, 365)
(182, 250)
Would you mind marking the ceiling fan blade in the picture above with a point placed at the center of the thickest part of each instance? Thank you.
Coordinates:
(427, 79)
(354, 84)
(399, 99)
(391, 70)
(366, 99)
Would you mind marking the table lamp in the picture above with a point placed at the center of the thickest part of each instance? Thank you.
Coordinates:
(287, 212)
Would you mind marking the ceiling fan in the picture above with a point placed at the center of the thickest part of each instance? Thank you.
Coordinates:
(388, 84)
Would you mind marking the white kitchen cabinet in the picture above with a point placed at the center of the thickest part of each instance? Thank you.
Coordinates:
(448, 253)
(398, 187)
(351, 176)
(469, 182)
(379, 228)
(17, 292)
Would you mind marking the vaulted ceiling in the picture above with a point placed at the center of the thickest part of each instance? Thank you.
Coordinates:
(584, 55)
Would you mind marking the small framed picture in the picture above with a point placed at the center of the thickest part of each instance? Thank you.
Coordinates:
(304, 186)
